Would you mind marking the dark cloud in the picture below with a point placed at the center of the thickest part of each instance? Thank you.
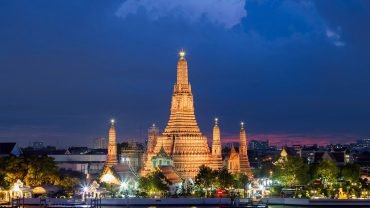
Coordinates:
(67, 67)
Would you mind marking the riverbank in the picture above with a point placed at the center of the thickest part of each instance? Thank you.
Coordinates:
(200, 202)
(316, 202)
(137, 201)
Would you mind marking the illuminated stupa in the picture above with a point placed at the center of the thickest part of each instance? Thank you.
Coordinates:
(243, 156)
(182, 139)
(216, 155)
(112, 146)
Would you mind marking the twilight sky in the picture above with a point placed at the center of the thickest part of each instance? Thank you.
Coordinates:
(294, 71)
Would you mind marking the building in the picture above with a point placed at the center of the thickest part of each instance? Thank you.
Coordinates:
(37, 145)
(153, 133)
(340, 158)
(161, 159)
(243, 153)
(91, 164)
(233, 162)
(258, 145)
(101, 143)
(9, 148)
(182, 138)
(112, 147)
(132, 155)
(216, 155)
(363, 142)
(114, 173)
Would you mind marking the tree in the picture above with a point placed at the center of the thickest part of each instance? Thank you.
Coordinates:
(327, 171)
(205, 179)
(291, 172)
(155, 182)
(350, 172)
(224, 178)
(41, 170)
(68, 183)
(33, 170)
(240, 181)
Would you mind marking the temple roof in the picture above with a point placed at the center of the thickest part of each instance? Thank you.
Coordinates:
(170, 174)
(162, 153)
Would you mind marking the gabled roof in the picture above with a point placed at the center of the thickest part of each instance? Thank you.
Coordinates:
(78, 150)
(170, 174)
(125, 172)
(6, 148)
(162, 154)
(233, 153)
(336, 156)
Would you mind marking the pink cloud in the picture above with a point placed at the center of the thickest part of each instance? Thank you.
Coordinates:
(291, 139)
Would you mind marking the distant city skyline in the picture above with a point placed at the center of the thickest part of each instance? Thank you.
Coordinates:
(293, 71)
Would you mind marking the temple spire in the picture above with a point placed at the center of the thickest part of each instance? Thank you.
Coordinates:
(182, 54)
(216, 162)
(182, 118)
(243, 153)
(232, 148)
(182, 69)
(112, 145)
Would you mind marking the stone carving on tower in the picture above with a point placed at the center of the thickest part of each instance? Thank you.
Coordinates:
(216, 157)
(112, 146)
(182, 139)
(243, 156)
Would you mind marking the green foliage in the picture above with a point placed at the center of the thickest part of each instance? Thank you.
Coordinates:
(40, 170)
(217, 179)
(294, 171)
(154, 182)
(12, 169)
(33, 170)
(206, 177)
(264, 171)
(327, 171)
(276, 190)
(68, 183)
(350, 172)
(224, 179)
(240, 181)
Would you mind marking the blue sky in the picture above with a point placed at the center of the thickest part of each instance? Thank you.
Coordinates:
(294, 71)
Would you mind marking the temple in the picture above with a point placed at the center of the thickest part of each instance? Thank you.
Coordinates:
(114, 172)
(112, 146)
(243, 155)
(216, 156)
(182, 140)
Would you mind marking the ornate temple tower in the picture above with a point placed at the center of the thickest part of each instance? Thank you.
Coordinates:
(243, 156)
(153, 133)
(112, 146)
(182, 138)
(233, 162)
(216, 157)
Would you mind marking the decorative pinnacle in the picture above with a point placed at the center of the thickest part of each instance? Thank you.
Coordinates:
(216, 121)
(182, 54)
(242, 125)
(112, 121)
(153, 125)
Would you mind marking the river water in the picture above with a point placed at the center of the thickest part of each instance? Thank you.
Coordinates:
(270, 206)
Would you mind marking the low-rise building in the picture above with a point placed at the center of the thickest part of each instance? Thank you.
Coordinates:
(9, 148)
(91, 164)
